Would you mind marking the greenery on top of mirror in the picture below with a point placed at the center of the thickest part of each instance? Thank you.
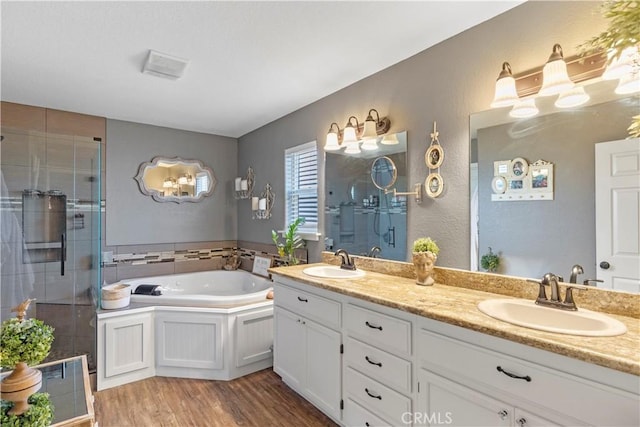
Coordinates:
(292, 241)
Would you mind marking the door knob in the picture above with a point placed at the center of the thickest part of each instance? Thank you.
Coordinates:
(605, 265)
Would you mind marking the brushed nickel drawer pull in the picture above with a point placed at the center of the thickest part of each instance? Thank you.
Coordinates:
(527, 378)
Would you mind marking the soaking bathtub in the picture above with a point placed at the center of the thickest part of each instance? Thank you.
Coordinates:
(218, 288)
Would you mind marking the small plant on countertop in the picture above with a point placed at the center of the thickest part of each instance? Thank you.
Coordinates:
(291, 242)
(490, 261)
(426, 244)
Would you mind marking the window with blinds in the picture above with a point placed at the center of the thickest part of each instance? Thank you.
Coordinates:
(301, 186)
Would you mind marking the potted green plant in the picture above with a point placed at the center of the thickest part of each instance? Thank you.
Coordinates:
(425, 254)
(39, 414)
(490, 261)
(23, 342)
(292, 241)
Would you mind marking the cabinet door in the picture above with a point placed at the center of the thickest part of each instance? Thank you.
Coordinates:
(189, 340)
(289, 353)
(441, 401)
(323, 367)
(128, 345)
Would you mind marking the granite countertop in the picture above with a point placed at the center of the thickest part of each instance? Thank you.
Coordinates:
(458, 306)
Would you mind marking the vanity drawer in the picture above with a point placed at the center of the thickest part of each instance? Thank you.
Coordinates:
(378, 364)
(375, 397)
(379, 329)
(356, 415)
(314, 307)
(567, 394)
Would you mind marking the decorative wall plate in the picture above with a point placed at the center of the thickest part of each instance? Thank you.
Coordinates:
(434, 156)
(434, 185)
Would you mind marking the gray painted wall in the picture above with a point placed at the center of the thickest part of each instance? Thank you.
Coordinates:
(535, 237)
(133, 218)
(445, 83)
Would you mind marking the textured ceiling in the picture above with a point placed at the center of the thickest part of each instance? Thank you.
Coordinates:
(250, 62)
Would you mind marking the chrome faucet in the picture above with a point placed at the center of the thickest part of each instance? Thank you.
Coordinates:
(347, 263)
(554, 300)
(374, 251)
(575, 270)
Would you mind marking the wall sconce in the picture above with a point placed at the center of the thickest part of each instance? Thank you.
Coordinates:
(557, 77)
(244, 185)
(355, 134)
(261, 206)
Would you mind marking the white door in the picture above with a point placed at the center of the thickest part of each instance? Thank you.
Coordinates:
(289, 359)
(618, 214)
(323, 367)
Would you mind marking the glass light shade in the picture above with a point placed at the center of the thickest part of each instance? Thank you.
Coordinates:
(524, 108)
(629, 83)
(622, 65)
(506, 93)
(555, 78)
(390, 140)
(370, 144)
(332, 142)
(572, 98)
(349, 135)
(352, 148)
(183, 180)
(369, 131)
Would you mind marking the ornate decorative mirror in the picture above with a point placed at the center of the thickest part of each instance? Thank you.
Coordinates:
(175, 180)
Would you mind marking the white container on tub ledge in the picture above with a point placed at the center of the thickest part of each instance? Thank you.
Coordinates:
(117, 295)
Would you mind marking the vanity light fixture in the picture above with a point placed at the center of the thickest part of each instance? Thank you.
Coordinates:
(506, 93)
(185, 179)
(331, 143)
(349, 133)
(555, 77)
(169, 182)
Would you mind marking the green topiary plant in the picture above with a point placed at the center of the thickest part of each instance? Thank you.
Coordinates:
(291, 242)
(26, 341)
(490, 261)
(426, 244)
(39, 414)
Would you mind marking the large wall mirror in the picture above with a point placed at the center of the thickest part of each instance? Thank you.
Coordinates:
(175, 180)
(533, 237)
(359, 216)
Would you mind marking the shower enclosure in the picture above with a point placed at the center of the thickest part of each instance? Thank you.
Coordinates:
(50, 243)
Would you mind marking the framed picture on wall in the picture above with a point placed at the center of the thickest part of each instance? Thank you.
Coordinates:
(541, 180)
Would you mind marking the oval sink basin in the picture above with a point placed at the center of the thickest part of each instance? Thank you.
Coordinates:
(332, 272)
(530, 315)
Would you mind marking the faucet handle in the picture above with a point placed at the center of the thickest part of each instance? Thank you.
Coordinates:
(568, 296)
(592, 282)
(542, 293)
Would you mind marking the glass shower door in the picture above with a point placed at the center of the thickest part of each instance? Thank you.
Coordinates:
(52, 199)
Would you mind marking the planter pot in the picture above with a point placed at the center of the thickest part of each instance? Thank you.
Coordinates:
(19, 385)
(423, 263)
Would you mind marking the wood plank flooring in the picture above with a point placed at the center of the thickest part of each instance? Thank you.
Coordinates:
(260, 399)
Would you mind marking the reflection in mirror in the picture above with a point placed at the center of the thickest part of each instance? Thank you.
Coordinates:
(175, 180)
(383, 173)
(534, 237)
(358, 214)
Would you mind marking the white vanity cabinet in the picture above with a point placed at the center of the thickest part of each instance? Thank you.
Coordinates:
(307, 346)
(377, 381)
(497, 382)
(125, 349)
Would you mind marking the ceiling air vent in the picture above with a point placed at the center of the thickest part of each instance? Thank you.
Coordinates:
(163, 65)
